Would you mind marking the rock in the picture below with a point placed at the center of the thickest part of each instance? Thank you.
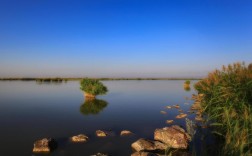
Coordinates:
(168, 107)
(189, 138)
(143, 154)
(144, 144)
(101, 133)
(178, 128)
(44, 145)
(173, 136)
(163, 112)
(182, 115)
(176, 106)
(126, 132)
(169, 121)
(79, 138)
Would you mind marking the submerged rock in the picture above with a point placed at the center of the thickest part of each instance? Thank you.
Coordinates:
(144, 144)
(143, 154)
(44, 145)
(168, 107)
(176, 106)
(101, 133)
(169, 121)
(79, 138)
(181, 115)
(174, 137)
(163, 112)
(126, 132)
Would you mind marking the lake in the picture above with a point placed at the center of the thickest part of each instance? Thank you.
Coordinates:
(30, 111)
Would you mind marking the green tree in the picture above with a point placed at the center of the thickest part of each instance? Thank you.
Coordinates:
(92, 87)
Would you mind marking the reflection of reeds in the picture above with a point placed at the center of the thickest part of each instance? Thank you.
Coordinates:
(227, 100)
(190, 127)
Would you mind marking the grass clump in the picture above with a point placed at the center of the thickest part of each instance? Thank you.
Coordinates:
(92, 87)
(227, 99)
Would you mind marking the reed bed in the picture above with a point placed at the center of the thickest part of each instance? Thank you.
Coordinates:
(227, 100)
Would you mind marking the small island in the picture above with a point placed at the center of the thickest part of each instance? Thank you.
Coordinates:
(92, 88)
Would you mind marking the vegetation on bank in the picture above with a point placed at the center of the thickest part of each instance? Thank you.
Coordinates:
(227, 100)
(92, 87)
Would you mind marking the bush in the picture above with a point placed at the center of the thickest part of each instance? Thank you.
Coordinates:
(93, 87)
(227, 99)
(187, 82)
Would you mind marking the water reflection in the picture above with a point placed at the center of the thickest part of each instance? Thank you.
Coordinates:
(187, 88)
(93, 106)
(49, 82)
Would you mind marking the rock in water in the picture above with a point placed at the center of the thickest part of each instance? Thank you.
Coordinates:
(126, 132)
(168, 107)
(44, 145)
(143, 154)
(181, 115)
(100, 133)
(173, 136)
(144, 144)
(169, 121)
(176, 106)
(79, 138)
(163, 112)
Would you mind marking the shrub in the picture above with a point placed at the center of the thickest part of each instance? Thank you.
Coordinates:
(93, 87)
(227, 99)
(188, 82)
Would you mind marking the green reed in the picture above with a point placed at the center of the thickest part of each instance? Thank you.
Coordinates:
(228, 102)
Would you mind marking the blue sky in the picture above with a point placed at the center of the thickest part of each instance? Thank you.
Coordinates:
(122, 38)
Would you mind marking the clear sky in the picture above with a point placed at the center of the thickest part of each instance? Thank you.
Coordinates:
(122, 38)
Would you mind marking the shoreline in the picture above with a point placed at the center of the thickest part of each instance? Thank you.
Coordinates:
(58, 79)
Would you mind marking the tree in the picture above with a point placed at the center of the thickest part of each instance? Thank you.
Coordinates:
(92, 87)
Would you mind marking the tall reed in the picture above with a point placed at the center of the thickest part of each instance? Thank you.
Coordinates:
(228, 102)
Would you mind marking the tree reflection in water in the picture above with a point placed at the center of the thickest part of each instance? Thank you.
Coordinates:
(92, 106)
(187, 88)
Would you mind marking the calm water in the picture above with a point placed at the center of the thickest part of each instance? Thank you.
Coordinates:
(31, 111)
